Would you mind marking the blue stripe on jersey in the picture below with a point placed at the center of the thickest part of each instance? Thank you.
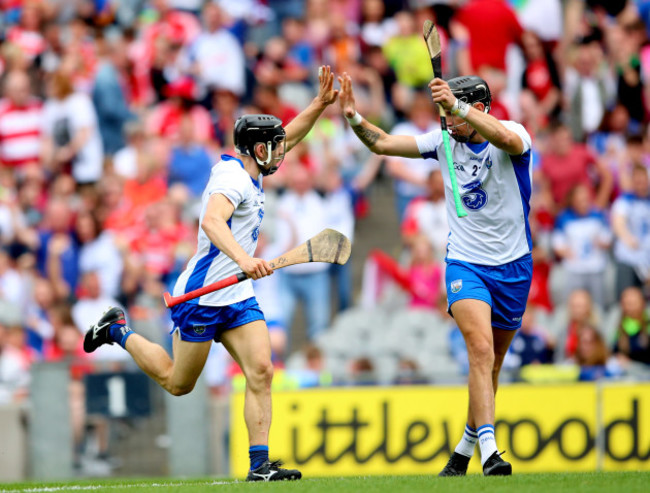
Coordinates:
(228, 157)
(477, 147)
(197, 277)
(431, 155)
(521, 165)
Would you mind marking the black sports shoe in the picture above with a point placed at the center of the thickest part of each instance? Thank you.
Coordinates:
(456, 466)
(271, 471)
(496, 466)
(99, 333)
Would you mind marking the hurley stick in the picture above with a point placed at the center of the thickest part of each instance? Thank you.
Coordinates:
(433, 45)
(327, 246)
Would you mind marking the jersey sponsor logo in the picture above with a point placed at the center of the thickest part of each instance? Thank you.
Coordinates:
(475, 197)
(199, 329)
(456, 285)
(516, 319)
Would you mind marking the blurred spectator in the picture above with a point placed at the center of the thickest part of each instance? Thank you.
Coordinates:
(20, 122)
(14, 368)
(591, 355)
(589, 87)
(267, 99)
(72, 140)
(631, 225)
(28, 35)
(425, 274)
(109, 96)
(428, 216)
(531, 344)
(58, 253)
(343, 47)
(633, 332)
(302, 214)
(225, 111)
(566, 163)
(410, 175)
(581, 239)
(299, 51)
(624, 40)
(12, 288)
(125, 159)
(338, 205)
(492, 26)
(165, 119)
(581, 314)
(99, 253)
(189, 164)
(407, 54)
(37, 321)
(376, 29)
(540, 79)
(217, 55)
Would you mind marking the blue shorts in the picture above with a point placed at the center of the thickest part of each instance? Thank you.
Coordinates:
(503, 287)
(199, 323)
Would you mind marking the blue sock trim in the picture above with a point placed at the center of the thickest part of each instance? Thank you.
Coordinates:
(258, 454)
(126, 336)
(482, 430)
(470, 431)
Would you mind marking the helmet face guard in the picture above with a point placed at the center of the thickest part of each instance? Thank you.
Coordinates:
(251, 130)
(275, 151)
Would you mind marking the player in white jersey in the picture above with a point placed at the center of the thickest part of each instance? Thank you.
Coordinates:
(489, 265)
(232, 210)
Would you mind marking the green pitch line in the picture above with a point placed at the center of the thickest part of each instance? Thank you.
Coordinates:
(627, 482)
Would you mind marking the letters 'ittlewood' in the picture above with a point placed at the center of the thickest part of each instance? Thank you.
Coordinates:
(327, 246)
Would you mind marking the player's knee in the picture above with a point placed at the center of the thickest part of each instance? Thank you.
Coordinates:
(260, 375)
(183, 389)
(481, 349)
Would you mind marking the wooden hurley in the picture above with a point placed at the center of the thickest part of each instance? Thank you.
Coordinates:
(327, 246)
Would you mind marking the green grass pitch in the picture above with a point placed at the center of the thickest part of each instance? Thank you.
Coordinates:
(626, 482)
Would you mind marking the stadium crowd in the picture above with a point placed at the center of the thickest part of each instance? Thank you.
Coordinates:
(113, 113)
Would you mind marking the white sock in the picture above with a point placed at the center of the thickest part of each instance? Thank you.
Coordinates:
(466, 445)
(486, 442)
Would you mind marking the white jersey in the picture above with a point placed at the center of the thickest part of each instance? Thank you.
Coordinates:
(495, 190)
(209, 264)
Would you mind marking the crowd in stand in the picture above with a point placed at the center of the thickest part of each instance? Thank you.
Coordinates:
(113, 113)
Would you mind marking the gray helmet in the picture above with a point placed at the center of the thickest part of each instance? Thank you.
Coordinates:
(254, 129)
(471, 89)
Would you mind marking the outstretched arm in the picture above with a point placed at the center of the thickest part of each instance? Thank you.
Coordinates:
(373, 137)
(485, 124)
(304, 121)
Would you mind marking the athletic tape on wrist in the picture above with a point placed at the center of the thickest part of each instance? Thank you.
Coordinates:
(356, 120)
(460, 108)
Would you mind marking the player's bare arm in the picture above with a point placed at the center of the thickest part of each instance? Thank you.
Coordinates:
(485, 124)
(215, 225)
(373, 137)
(300, 126)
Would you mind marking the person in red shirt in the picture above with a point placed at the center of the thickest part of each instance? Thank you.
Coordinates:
(492, 26)
(540, 78)
(20, 122)
(268, 101)
(567, 163)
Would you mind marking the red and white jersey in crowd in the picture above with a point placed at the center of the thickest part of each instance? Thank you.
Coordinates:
(32, 43)
(20, 132)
